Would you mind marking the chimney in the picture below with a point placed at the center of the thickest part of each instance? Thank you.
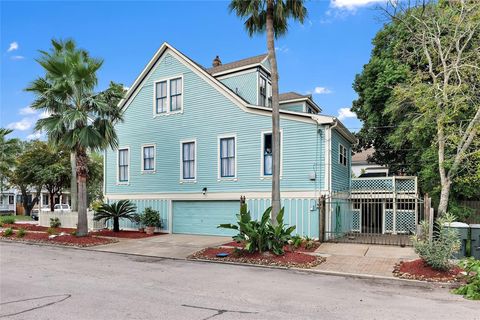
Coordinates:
(216, 62)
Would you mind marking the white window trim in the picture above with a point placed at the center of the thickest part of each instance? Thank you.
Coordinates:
(118, 166)
(182, 180)
(219, 166)
(168, 112)
(154, 158)
(340, 146)
(262, 142)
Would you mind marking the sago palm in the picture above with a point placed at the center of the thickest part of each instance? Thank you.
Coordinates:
(79, 119)
(123, 209)
(271, 16)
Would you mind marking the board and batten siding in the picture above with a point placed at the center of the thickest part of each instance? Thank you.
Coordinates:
(341, 175)
(207, 113)
(245, 85)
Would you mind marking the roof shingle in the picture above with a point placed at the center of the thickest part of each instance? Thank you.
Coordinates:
(237, 64)
(292, 95)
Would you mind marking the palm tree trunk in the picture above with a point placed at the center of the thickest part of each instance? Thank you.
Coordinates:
(275, 115)
(116, 225)
(73, 183)
(82, 172)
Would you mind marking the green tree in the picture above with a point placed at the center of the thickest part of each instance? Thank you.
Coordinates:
(27, 173)
(80, 119)
(418, 96)
(271, 16)
(95, 178)
(55, 173)
(9, 148)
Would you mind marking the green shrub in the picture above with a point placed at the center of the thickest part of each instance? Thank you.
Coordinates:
(471, 290)
(8, 220)
(8, 232)
(150, 218)
(52, 231)
(55, 222)
(74, 232)
(21, 233)
(296, 241)
(444, 244)
(261, 235)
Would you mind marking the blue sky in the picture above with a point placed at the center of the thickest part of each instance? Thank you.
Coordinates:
(321, 57)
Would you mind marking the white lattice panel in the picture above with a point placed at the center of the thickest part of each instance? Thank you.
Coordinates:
(388, 223)
(356, 222)
(405, 221)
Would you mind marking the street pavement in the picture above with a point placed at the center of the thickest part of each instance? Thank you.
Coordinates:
(42, 282)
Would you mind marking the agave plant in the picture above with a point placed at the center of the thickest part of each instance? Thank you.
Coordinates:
(123, 209)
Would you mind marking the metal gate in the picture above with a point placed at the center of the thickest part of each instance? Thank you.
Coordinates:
(387, 219)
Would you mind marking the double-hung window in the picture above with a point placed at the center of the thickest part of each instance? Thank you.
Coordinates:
(343, 158)
(188, 160)
(168, 95)
(227, 157)
(267, 154)
(176, 94)
(161, 96)
(123, 165)
(10, 199)
(149, 158)
(263, 92)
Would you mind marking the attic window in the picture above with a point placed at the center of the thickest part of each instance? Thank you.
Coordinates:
(263, 92)
(168, 96)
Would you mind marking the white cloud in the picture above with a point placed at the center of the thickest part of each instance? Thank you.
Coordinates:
(283, 49)
(27, 110)
(22, 125)
(353, 4)
(344, 113)
(321, 90)
(34, 136)
(13, 46)
(17, 57)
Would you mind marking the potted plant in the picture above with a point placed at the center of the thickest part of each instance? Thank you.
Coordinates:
(150, 219)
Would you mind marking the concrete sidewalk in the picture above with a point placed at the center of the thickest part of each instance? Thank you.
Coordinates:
(176, 246)
(363, 259)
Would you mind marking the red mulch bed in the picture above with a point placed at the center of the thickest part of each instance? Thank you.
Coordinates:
(286, 248)
(124, 234)
(289, 259)
(66, 240)
(34, 227)
(419, 270)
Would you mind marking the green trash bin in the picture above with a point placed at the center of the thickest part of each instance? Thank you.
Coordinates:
(462, 230)
(475, 244)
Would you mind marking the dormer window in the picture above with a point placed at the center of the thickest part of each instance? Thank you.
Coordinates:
(168, 95)
(263, 92)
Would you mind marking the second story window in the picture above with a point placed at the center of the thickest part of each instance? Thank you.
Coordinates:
(188, 160)
(262, 92)
(123, 165)
(149, 158)
(161, 96)
(176, 94)
(227, 157)
(343, 158)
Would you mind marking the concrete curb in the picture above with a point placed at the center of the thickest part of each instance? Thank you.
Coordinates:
(417, 283)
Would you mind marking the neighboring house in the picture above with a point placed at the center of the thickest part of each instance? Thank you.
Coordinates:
(196, 139)
(362, 166)
(11, 200)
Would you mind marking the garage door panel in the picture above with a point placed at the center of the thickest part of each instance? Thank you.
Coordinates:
(203, 217)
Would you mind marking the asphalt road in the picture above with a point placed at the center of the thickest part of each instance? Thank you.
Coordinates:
(40, 282)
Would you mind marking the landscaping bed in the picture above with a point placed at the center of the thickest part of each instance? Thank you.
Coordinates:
(124, 234)
(289, 259)
(66, 240)
(301, 248)
(419, 270)
(34, 227)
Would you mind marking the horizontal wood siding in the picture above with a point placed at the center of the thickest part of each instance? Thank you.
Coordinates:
(341, 175)
(162, 206)
(244, 84)
(207, 113)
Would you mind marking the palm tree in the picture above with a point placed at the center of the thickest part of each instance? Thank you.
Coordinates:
(123, 209)
(79, 119)
(8, 152)
(271, 16)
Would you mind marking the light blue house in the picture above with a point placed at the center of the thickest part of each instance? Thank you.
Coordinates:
(196, 139)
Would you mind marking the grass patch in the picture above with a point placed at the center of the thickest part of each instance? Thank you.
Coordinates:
(6, 219)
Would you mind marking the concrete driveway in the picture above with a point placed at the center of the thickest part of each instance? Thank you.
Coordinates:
(177, 246)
